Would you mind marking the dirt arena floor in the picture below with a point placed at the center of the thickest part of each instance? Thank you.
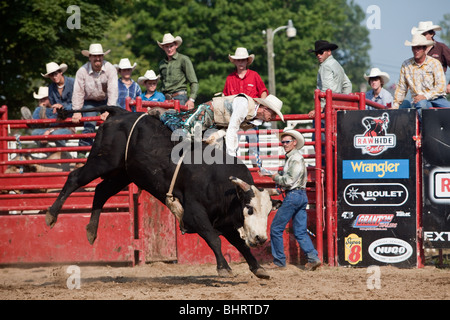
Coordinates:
(168, 281)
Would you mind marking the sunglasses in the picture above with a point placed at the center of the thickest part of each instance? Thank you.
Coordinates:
(286, 142)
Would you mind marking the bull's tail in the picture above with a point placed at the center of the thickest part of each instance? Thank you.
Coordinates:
(112, 110)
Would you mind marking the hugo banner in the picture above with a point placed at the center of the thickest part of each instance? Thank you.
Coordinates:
(376, 188)
(436, 177)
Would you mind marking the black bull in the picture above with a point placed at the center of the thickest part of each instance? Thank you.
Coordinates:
(213, 201)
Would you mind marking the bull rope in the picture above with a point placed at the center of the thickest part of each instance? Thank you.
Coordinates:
(129, 136)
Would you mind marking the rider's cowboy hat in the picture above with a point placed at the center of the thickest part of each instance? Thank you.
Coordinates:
(320, 45)
(419, 40)
(52, 67)
(296, 135)
(169, 38)
(375, 72)
(149, 75)
(125, 64)
(242, 53)
(42, 93)
(94, 49)
(425, 26)
(273, 103)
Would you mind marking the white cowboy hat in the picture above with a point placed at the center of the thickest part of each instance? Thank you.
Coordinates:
(375, 72)
(52, 67)
(296, 135)
(149, 75)
(242, 53)
(94, 49)
(425, 26)
(419, 40)
(125, 64)
(273, 103)
(42, 93)
(169, 38)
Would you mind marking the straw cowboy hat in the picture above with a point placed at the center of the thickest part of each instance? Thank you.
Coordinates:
(169, 38)
(419, 40)
(425, 26)
(149, 75)
(52, 67)
(242, 53)
(296, 135)
(320, 45)
(42, 93)
(125, 64)
(273, 103)
(94, 49)
(375, 72)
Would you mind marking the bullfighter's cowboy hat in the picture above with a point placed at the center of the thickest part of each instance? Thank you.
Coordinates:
(425, 26)
(242, 53)
(94, 49)
(320, 45)
(419, 40)
(125, 64)
(169, 38)
(296, 135)
(52, 67)
(375, 72)
(42, 93)
(149, 75)
(273, 103)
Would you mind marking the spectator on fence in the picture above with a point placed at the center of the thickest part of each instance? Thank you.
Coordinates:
(438, 50)
(423, 76)
(60, 91)
(45, 111)
(177, 72)
(377, 79)
(331, 75)
(293, 181)
(150, 81)
(95, 85)
(249, 82)
(127, 87)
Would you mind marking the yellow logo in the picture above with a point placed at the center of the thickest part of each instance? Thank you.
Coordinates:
(353, 249)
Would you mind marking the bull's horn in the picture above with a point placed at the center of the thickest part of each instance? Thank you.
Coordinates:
(243, 185)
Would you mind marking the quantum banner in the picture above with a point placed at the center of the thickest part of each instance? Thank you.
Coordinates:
(436, 177)
(376, 188)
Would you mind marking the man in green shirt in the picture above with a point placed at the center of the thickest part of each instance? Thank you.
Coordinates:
(177, 72)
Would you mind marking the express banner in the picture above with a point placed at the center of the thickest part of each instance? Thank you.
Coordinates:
(436, 177)
(376, 188)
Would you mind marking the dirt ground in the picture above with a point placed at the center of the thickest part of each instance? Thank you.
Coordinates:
(168, 281)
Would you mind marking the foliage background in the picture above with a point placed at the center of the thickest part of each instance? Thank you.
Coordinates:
(35, 33)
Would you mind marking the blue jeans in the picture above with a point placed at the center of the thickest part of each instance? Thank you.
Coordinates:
(41, 131)
(293, 207)
(440, 102)
(89, 127)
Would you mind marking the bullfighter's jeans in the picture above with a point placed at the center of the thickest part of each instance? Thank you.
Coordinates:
(293, 207)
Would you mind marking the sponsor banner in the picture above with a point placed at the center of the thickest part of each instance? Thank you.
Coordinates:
(436, 177)
(376, 188)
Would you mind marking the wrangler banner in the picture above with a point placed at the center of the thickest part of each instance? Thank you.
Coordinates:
(376, 188)
(436, 178)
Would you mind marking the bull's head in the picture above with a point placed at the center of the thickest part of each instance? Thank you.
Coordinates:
(257, 205)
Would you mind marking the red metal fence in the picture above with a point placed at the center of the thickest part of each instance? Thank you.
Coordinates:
(135, 227)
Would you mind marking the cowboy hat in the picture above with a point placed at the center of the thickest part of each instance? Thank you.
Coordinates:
(425, 26)
(320, 45)
(125, 64)
(375, 72)
(94, 49)
(52, 67)
(42, 93)
(242, 53)
(419, 40)
(169, 38)
(273, 103)
(149, 75)
(296, 135)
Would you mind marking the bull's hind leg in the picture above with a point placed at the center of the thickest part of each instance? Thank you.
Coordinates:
(104, 190)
